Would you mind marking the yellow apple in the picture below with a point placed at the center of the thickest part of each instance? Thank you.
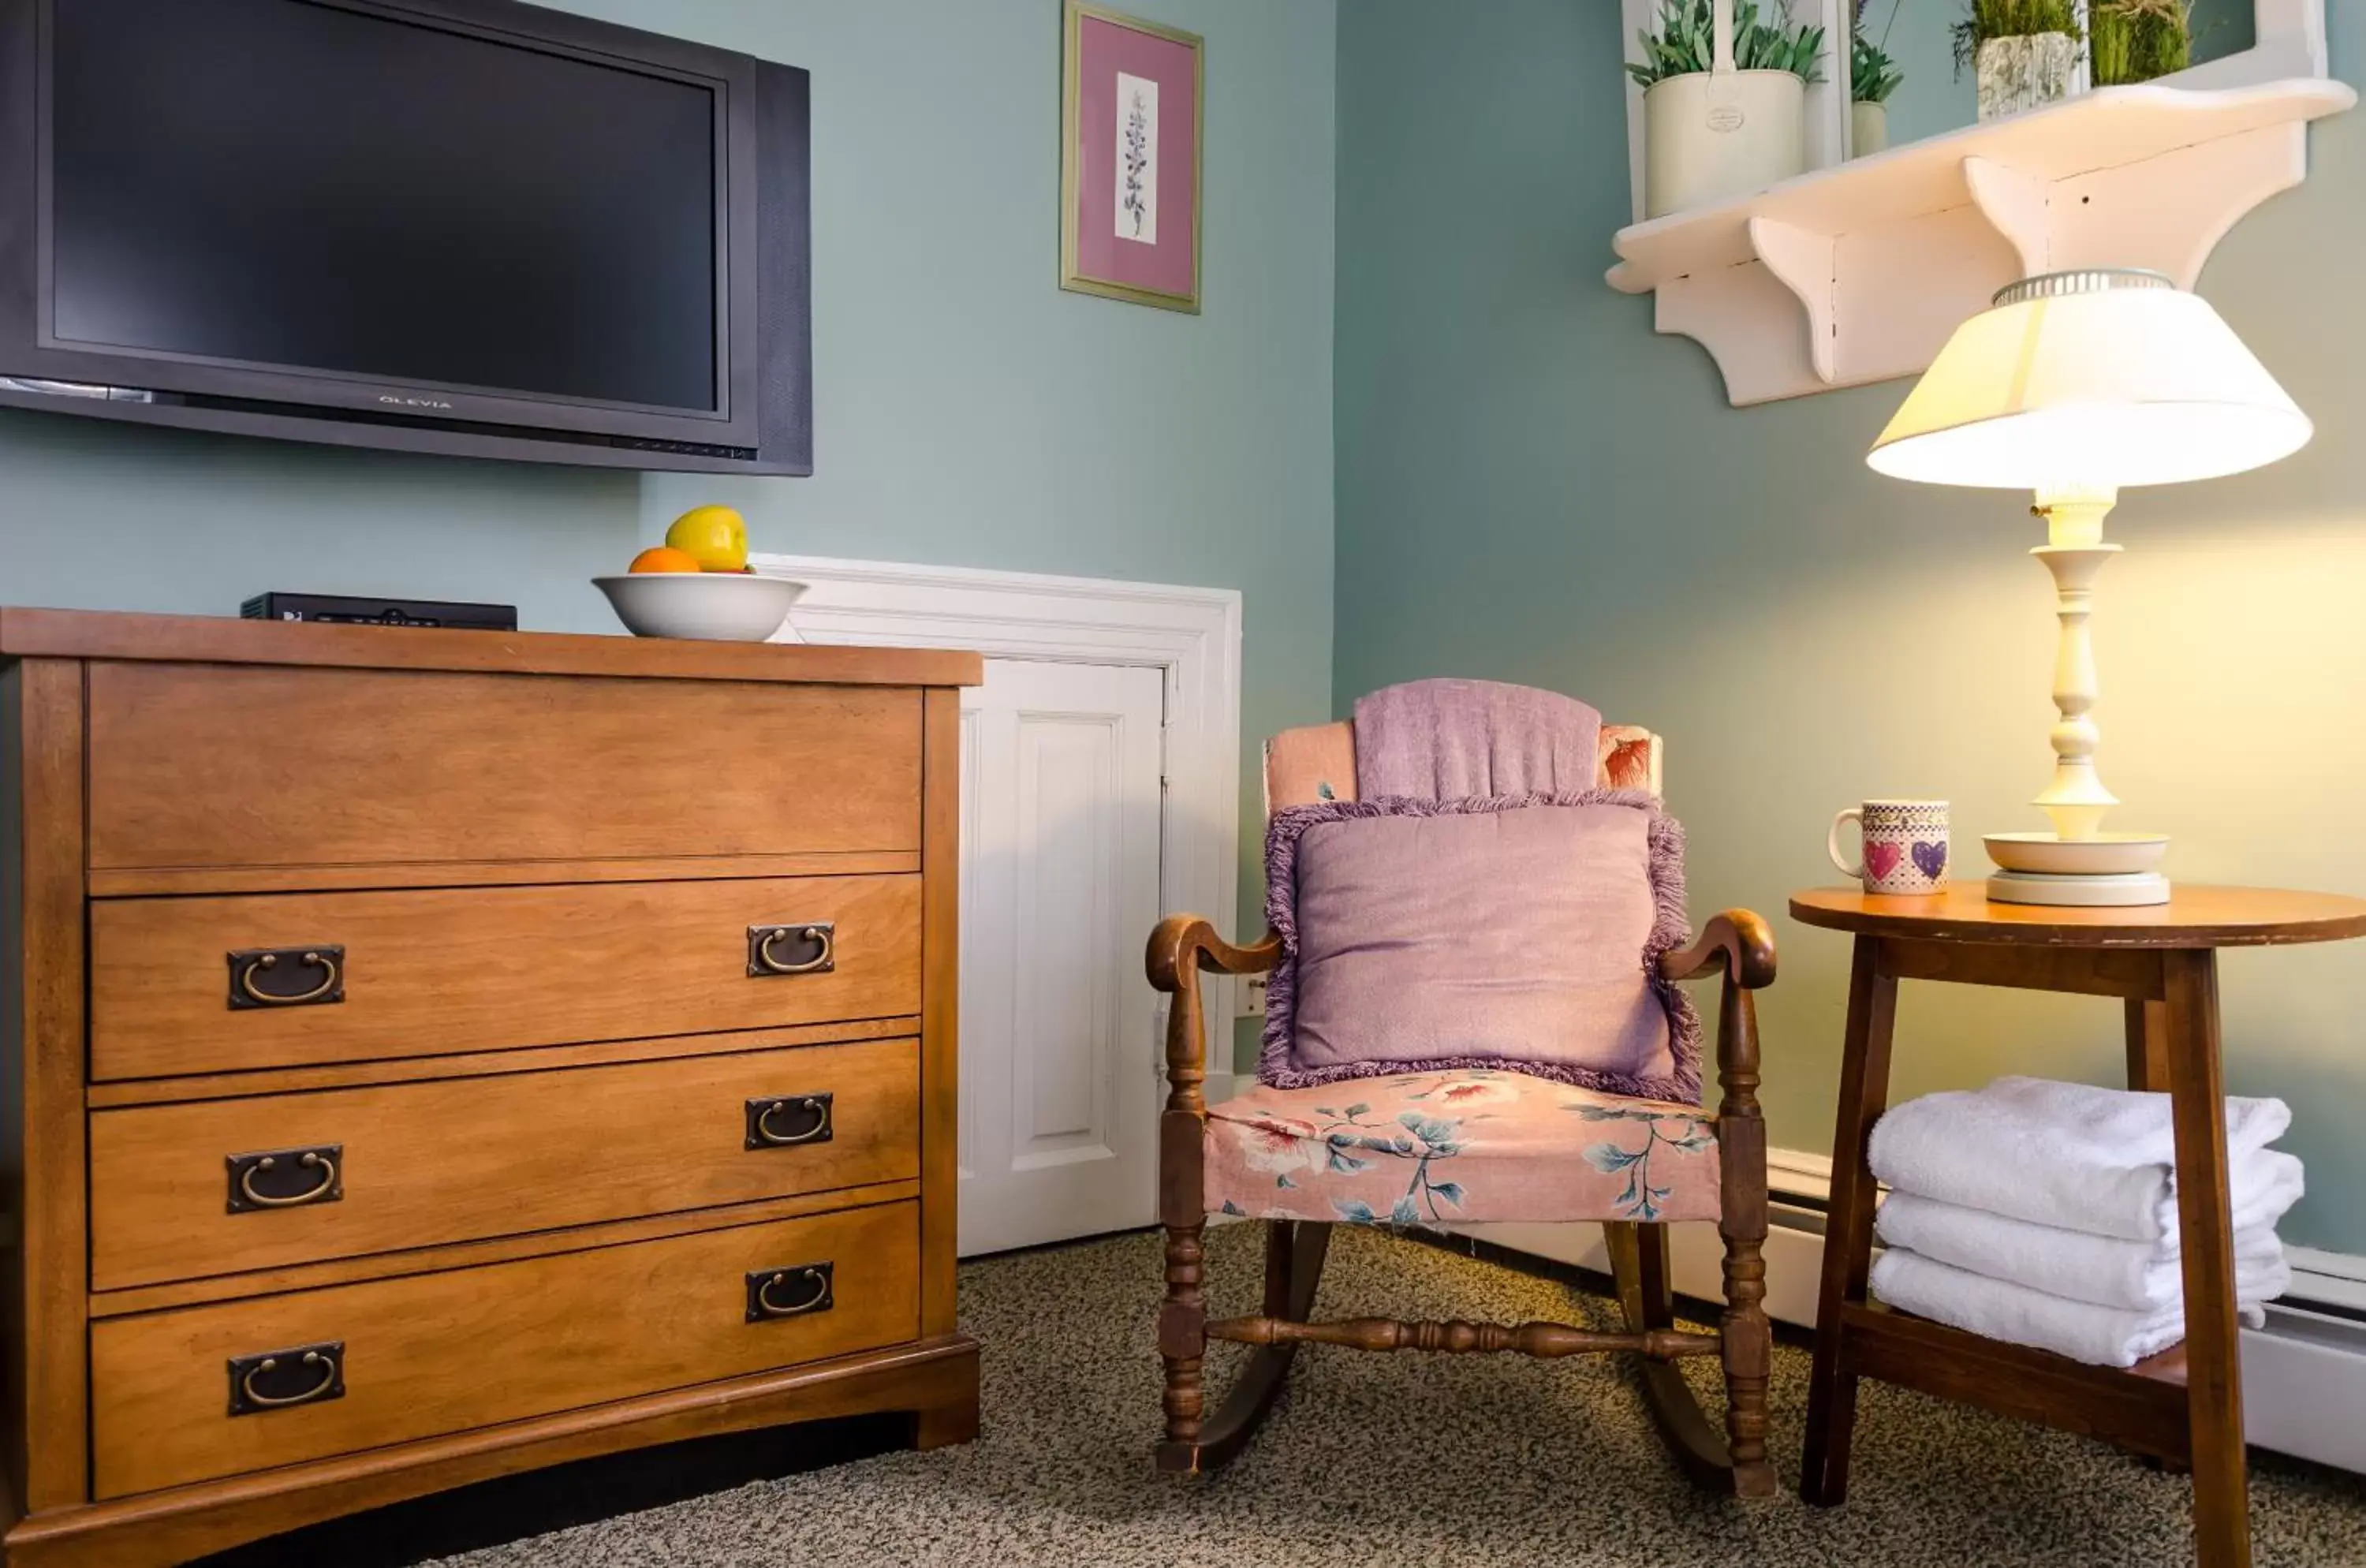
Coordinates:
(716, 535)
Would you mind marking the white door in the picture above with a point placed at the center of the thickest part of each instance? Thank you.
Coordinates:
(1059, 1091)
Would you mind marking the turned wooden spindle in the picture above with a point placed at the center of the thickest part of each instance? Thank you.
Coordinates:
(1456, 1336)
(1176, 949)
(1748, 1334)
(1181, 1336)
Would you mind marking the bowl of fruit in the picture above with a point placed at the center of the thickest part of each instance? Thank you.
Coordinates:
(697, 585)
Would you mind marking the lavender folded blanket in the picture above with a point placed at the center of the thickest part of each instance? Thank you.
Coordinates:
(1452, 739)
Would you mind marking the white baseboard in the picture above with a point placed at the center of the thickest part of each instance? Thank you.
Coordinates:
(1793, 1258)
(2303, 1375)
(2304, 1384)
(2332, 1279)
(1796, 1173)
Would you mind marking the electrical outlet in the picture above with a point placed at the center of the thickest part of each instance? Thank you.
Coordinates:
(1252, 995)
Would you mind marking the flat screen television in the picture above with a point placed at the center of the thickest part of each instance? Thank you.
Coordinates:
(463, 226)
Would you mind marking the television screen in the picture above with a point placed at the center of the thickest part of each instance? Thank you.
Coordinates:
(278, 183)
(475, 227)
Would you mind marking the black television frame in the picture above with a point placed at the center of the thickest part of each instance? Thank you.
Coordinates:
(763, 342)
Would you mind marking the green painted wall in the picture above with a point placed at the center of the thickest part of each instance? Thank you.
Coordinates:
(969, 412)
(1531, 485)
(1932, 97)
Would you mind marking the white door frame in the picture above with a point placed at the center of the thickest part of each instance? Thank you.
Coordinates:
(1193, 635)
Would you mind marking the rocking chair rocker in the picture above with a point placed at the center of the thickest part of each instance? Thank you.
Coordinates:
(1205, 1151)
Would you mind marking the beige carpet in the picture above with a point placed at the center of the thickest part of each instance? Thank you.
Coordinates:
(1407, 1459)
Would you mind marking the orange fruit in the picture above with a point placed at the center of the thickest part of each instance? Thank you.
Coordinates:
(665, 557)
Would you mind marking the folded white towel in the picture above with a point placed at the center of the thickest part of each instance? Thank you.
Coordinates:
(2135, 1275)
(1996, 1309)
(2059, 1154)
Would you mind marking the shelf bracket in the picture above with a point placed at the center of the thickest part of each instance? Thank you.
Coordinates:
(2115, 216)
(2015, 205)
(1804, 263)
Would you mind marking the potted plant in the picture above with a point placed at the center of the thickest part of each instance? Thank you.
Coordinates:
(1724, 100)
(2026, 53)
(2136, 41)
(1873, 76)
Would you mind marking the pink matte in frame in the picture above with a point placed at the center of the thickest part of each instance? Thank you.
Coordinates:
(1130, 139)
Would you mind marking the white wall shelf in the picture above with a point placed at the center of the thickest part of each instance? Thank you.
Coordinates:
(1858, 272)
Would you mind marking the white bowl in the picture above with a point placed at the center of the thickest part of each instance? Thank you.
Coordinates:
(715, 606)
(2105, 854)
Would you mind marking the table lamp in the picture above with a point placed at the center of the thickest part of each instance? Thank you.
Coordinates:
(2074, 385)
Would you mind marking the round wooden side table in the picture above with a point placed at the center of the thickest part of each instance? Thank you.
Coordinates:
(2183, 1406)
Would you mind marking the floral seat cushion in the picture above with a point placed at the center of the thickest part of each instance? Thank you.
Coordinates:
(1468, 1145)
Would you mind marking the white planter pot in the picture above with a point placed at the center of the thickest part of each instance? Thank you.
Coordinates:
(2017, 73)
(1868, 128)
(1715, 134)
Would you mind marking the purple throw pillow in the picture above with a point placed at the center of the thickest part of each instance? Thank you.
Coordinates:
(1513, 932)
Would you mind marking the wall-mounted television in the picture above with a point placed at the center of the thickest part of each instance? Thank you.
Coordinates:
(463, 226)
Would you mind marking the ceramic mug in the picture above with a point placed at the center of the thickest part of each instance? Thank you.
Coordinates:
(1905, 845)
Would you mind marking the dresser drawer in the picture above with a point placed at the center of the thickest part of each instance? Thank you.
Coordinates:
(434, 971)
(434, 1353)
(233, 766)
(178, 1191)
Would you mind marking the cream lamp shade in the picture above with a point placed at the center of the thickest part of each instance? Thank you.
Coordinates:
(2085, 381)
(2074, 385)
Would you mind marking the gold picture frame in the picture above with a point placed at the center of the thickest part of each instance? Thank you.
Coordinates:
(1072, 277)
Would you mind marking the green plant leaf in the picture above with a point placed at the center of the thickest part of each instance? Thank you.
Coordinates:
(1684, 42)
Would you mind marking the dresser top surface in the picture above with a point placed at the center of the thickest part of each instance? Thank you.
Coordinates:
(222, 639)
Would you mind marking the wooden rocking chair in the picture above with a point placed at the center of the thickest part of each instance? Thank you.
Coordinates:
(1205, 1152)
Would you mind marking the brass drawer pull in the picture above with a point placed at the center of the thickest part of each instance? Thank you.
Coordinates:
(317, 1372)
(247, 967)
(774, 1124)
(790, 1292)
(762, 940)
(327, 1186)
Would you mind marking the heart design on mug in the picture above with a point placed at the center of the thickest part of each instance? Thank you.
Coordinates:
(1880, 860)
(1930, 859)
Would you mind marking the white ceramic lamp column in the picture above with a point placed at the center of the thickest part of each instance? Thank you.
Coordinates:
(2074, 386)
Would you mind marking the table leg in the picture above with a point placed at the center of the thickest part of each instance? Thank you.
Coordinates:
(2221, 1523)
(1848, 1227)
(2147, 1045)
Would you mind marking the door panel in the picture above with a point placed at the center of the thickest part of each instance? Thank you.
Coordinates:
(1060, 887)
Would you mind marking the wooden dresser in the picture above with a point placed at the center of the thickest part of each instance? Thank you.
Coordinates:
(428, 1055)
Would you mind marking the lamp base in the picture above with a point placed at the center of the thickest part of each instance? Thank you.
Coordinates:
(2085, 892)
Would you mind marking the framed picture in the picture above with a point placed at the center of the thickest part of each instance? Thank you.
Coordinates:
(1130, 136)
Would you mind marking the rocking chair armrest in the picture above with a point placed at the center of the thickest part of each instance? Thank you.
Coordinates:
(1180, 943)
(1179, 948)
(1738, 946)
(1736, 943)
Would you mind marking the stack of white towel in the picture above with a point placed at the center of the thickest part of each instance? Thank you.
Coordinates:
(2046, 1213)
